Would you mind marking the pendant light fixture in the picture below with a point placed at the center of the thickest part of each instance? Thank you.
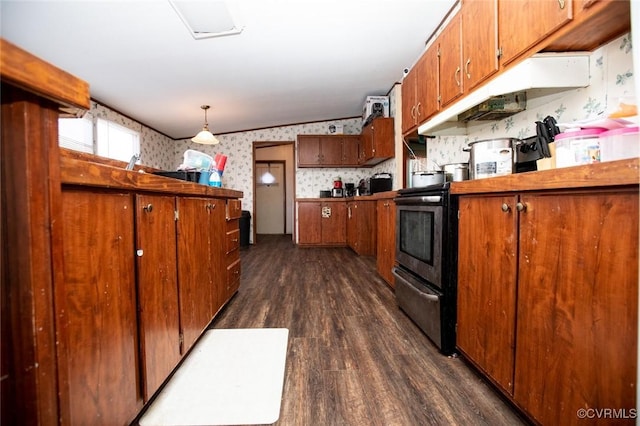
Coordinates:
(267, 177)
(205, 137)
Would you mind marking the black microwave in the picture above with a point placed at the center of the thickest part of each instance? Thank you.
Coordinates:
(379, 183)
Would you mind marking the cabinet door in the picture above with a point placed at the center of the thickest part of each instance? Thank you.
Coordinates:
(309, 223)
(350, 150)
(308, 151)
(577, 304)
(352, 230)
(523, 23)
(96, 310)
(334, 222)
(451, 83)
(480, 39)
(331, 151)
(196, 288)
(408, 91)
(386, 241)
(366, 145)
(428, 74)
(487, 285)
(157, 289)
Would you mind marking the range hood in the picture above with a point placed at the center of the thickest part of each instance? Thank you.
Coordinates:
(541, 74)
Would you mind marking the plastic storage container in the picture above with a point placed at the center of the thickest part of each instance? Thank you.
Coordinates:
(197, 160)
(579, 147)
(619, 144)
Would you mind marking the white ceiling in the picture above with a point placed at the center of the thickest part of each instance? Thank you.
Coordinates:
(295, 60)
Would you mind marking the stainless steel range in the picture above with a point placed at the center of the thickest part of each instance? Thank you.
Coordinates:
(426, 252)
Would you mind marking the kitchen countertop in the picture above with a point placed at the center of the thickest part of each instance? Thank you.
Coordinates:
(613, 173)
(91, 171)
(374, 197)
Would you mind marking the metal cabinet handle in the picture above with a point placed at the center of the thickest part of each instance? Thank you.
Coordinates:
(418, 113)
(561, 3)
(235, 240)
(148, 208)
(210, 206)
(455, 75)
(505, 207)
(466, 68)
(521, 207)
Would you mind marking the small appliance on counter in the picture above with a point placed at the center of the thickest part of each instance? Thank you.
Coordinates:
(337, 191)
(380, 182)
(349, 190)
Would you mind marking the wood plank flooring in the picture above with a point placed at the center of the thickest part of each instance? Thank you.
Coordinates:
(354, 358)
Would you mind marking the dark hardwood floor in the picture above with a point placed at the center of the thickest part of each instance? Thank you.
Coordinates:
(354, 358)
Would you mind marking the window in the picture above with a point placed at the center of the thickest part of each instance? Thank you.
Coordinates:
(112, 140)
(76, 133)
(115, 141)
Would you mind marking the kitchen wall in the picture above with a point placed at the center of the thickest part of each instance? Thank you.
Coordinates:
(611, 77)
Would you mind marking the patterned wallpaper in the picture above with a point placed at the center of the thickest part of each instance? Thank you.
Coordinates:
(611, 77)
(611, 70)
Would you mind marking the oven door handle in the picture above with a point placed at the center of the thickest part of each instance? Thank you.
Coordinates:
(431, 297)
(426, 199)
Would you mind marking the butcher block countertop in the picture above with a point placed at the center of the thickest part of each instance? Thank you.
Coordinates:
(598, 175)
(89, 170)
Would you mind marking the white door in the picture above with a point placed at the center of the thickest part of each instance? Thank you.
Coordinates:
(270, 200)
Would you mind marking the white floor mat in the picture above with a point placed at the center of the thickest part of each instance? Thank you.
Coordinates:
(231, 377)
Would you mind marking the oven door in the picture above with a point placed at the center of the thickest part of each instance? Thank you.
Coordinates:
(421, 303)
(419, 237)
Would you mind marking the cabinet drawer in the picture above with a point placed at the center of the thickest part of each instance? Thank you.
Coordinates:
(233, 240)
(233, 224)
(233, 274)
(234, 209)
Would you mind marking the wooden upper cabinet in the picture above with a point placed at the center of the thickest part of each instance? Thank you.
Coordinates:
(427, 89)
(523, 23)
(479, 41)
(328, 150)
(451, 82)
(377, 141)
(350, 150)
(308, 151)
(331, 150)
(409, 117)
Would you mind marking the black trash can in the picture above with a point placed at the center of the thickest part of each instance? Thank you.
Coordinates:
(245, 225)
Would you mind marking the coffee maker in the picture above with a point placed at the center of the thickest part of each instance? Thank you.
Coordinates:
(349, 190)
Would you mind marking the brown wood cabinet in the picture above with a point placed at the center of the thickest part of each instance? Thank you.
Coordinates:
(523, 23)
(479, 41)
(386, 239)
(232, 248)
(328, 150)
(96, 310)
(450, 52)
(420, 90)
(201, 259)
(361, 227)
(322, 223)
(158, 313)
(548, 297)
(377, 142)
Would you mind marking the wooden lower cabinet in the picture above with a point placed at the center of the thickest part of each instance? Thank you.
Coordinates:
(361, 227)
(201, 260)
(96, 310)
(322, 223)
(159, 320)
(548, 298)
(386, 239)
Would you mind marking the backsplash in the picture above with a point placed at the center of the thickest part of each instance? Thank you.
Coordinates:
(611, 77)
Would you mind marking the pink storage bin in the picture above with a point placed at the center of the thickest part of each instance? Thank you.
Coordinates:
(619, 144)
(577, 148)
